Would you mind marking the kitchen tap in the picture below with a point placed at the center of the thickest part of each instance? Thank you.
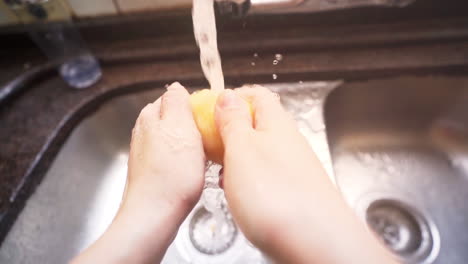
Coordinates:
(244, 7)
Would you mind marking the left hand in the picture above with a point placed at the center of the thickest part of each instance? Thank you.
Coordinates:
(166, 161)
(165, 180)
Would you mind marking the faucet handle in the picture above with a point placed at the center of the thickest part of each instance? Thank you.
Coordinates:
(234, 8)
(241, 7)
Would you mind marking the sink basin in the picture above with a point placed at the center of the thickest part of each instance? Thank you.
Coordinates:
(81, 192)
(400, 157)
(396, 156)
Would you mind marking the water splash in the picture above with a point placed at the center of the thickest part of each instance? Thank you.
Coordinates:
(278, 57)
(204, 27)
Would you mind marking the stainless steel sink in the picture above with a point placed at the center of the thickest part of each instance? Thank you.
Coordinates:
(400, 156)
(81, 192)
(395, 159)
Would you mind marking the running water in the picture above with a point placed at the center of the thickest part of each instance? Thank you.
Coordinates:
(204, 28)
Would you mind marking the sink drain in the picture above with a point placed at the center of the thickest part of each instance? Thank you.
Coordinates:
(212, 234)
(402, 229)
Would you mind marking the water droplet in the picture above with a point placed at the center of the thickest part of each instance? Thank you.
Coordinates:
(275, 62)
(275, 76)
(252, 63)
(208, 63)
(255, 55)
(204, 38)
(278, 57)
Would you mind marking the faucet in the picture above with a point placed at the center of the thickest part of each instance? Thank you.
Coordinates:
(244, 7)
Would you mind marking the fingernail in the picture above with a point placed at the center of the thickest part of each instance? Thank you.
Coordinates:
(229, 99)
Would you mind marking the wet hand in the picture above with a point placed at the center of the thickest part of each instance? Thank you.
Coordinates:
(278, 191)
(166, 158)
(165, 180)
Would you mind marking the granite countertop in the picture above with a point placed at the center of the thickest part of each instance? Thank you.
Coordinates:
(35, 123)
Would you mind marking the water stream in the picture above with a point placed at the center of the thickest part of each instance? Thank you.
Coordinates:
(204, 28)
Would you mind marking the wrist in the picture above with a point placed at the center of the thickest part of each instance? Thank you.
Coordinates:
(151, 212)
(141, 232)
(141, 199)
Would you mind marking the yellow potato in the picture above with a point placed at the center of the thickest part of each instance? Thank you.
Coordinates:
(203, 107)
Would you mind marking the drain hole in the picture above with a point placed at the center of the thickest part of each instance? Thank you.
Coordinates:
(404, 231)
(212, 234)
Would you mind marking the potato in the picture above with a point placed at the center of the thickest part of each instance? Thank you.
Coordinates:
(203, 107)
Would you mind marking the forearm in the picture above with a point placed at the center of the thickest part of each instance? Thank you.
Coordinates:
(337, 245)
(137, 235)
(323, 230)
(160, 193)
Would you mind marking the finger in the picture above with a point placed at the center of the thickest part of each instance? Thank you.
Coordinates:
(269, 113)
(232, 115)
(175, 106)
(149, 115)
(146, 121)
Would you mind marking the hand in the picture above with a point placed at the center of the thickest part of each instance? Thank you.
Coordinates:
(166, 161)
(165, 180)
(277, 190)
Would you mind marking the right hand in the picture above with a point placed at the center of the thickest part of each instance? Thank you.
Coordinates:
(277, 190)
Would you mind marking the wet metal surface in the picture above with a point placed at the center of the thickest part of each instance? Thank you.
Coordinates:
(81, 192)
(399, 150)
(389, 140)
(34, 129)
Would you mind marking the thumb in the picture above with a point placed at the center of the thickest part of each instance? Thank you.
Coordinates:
(233, 118)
